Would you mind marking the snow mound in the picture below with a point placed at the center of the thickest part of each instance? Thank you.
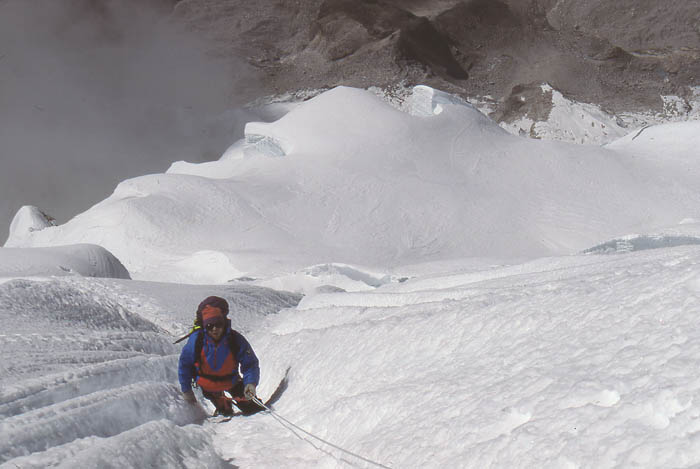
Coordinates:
(324, 278)
(29, 219)
(363, 183)
(88, 260)
(54, 301)
(206, 267)
(425, 101)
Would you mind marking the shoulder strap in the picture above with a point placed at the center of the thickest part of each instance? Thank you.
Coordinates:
(198, 345)
(233, 343)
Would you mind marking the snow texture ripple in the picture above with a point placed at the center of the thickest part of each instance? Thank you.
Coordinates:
(84, 378)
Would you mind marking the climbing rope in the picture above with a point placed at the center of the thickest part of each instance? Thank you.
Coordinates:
(291, 427)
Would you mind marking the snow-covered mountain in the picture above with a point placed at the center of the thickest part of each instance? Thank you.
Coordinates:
(450, 315)
(345, 177)
(112, 90)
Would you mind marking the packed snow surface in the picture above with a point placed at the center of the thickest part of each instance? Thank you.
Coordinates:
(565, 362)
(575, 361)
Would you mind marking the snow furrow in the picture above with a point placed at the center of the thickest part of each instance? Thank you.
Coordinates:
(27, 395)
(155, 444)
(103, 413)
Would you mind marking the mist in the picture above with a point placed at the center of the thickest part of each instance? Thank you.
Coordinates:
(93, 92)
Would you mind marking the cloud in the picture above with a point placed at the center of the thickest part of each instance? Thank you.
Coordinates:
(95, 91)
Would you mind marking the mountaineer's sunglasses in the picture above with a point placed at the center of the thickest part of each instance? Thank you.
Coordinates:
(218, 325)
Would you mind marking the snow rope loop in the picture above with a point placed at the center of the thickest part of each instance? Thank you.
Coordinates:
(284, 421)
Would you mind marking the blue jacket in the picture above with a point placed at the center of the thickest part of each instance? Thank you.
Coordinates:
(217, 355)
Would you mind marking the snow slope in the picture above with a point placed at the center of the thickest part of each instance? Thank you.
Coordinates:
(84, 378)
(583, 361)
(345, 177)
(665, 147)
(574, 361)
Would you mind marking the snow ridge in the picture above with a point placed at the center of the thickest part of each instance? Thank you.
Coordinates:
(363, 183)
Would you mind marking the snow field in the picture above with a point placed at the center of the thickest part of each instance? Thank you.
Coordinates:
(584, 366)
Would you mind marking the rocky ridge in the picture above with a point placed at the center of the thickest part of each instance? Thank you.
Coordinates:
(621, 55)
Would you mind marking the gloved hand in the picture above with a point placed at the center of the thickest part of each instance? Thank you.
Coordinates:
(189, 397)
(249, 391)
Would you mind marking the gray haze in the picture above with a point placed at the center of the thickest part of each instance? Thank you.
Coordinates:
(94, 92)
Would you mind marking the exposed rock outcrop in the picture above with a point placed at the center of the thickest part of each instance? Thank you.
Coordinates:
(621, 55)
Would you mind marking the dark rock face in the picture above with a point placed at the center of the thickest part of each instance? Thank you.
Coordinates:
(528, 100)
(422, 43)
(343, 27)
(619, 53)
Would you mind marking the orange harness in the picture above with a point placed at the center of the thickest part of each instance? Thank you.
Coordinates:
(211, 378)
